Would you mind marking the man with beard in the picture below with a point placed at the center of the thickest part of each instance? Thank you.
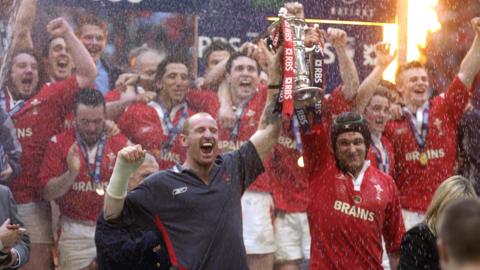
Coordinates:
(93, 32)
(196, 205)
(38, 112)
(352, 204)
(75, 171)
(157, 124)
(289, 181)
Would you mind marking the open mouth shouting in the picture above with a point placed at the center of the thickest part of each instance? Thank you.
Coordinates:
(207, 148)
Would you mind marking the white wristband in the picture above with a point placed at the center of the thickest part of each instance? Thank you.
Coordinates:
(117, 187)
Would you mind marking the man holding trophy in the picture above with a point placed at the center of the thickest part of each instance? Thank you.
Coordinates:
(351, 204)
(288, 174)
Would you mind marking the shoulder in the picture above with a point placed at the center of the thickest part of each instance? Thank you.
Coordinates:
(395, 128)
(66, 137)
(379, 176)
(157, 181)
(418, 234)
(138, 108)
(68, 82)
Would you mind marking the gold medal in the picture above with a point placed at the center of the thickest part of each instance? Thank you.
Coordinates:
(357, 199)
(423, 159)
(300, 162)
(100, 191)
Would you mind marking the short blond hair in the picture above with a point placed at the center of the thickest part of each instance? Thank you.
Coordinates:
(454, 188)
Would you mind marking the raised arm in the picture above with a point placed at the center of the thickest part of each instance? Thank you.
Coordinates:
(348, 71)
(129, 159)
(22, 28)
(86, 71)
(268, 130)
(471, 62)
(368, 86)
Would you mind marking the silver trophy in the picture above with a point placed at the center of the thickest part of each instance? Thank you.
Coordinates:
(303, 88)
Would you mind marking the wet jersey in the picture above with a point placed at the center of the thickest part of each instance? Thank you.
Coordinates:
(41, 117)
(289, 181)
(417, 178)
(81, 202)
(349, 216)
(248, 118)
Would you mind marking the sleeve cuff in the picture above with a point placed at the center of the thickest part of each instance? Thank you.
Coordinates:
(19, 259)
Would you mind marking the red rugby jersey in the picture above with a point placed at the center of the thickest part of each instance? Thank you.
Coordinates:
(346, 225)
(142, 124)
(289, 181)
(248, 124)
(417, 183)
(41, 118)
(81, 202)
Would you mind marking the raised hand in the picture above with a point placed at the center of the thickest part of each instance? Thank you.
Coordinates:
(336, 37)
(132, 156)
(146, 97)
(314, 36)
(383, 55)
(249, 49)
(73, 159)
(295, 9)
(58, 27)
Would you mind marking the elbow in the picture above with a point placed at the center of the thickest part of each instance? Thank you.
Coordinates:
(87, 78)
(47, 196)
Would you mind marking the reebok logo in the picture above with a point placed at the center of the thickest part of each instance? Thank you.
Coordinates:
(179, 190)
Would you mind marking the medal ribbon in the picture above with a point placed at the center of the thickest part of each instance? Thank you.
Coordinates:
(420, 137)
(239, 114)
(173, 131)
(383, 166)
(6, 107)
(95, 172)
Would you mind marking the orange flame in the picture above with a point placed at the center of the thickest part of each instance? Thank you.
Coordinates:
(422, 19)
